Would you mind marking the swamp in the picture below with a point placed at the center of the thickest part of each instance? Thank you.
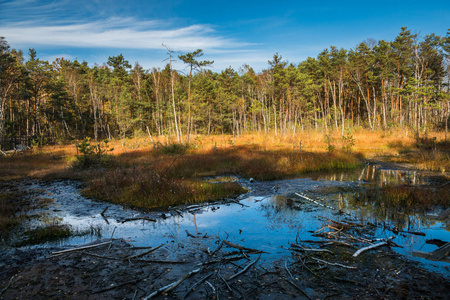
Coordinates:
(360, 232)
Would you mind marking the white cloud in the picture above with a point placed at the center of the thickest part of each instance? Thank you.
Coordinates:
(124, 33)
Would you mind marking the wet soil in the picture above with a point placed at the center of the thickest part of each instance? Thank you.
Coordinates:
(222, 266)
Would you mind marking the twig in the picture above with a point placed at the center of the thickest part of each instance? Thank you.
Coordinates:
(300, 248)
(333, 264)
(169, 287)
(190, 235)
(292, 282)
(7, 286)
(197, 283)
(143, 253)
(116, 286)
(245, 269)
(80, 248)
(386, 242)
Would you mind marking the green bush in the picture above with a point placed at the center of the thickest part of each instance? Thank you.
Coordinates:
(93, 155)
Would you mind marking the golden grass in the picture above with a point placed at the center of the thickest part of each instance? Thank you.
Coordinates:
(180, 169)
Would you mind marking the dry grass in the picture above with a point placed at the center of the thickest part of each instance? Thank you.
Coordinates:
(172, 174)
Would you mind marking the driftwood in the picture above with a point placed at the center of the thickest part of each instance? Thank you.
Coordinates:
(169, 287)
(244, 269)
(139, 218)
(81, 248)
(333, 264)
(386, 242)
(116, 286)
(143, 253)
(241, 247)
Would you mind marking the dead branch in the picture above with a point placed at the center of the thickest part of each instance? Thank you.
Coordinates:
(190, 235)
(7, 286)
(292, 282)
(333, 264)
(80, 248)
(300, 248)
(244, 270)
(140, 218)
(386, 242)
(241, 247)
(169, 287)
(197, 283)
(116, 286)
(230, 258)
(218, 248)
(143, 253)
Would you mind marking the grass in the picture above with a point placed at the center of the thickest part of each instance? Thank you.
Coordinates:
(172, 174)
(10, 217)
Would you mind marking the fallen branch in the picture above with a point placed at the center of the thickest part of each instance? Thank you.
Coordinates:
(241, 247)
(169, 287)
(300, 248)
(116, 286)
(81, 248)
(143, 253)
(7, 286)
(333, 264)
(244, 269)
(197, 283)
(292, 282)
(140, 218)
(386, 242)
(190, 235)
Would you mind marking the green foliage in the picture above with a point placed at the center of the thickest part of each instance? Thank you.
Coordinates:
(348, 141)
(173, 149)
(330, 147)
(92, 155)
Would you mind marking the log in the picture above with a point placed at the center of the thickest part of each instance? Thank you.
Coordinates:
(80, 248)
(169, 287)
(386, 242)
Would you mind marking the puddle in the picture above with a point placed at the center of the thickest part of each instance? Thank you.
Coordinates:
(266, 220)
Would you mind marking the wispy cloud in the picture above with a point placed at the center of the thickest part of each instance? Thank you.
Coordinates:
(115, 32)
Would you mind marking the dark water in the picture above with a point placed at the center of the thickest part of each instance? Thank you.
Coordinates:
(268, 221)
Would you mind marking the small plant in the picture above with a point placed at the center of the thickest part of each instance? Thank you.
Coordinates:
(348, 140)
(173, 149)
(92, 156)
(330, 146)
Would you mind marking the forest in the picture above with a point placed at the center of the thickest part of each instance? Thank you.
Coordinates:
(377, 85)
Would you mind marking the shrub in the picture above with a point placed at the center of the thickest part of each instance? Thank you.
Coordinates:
(92, 156)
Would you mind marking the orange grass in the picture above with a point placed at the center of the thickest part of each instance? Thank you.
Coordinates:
(138, 166)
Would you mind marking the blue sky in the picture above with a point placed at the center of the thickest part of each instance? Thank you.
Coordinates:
(230, 32)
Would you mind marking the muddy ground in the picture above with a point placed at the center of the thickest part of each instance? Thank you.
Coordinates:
(203, 266)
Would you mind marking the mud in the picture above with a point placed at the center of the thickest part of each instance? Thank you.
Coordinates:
(269, 219)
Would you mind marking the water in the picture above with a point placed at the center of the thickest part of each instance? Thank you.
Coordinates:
(268, 220)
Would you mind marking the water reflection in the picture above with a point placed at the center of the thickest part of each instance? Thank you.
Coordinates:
(377, 174)
(268, 222)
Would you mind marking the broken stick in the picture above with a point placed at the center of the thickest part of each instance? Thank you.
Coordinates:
(169, 287)
(386, 242)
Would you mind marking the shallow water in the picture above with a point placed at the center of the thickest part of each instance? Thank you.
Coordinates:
(267, 220)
